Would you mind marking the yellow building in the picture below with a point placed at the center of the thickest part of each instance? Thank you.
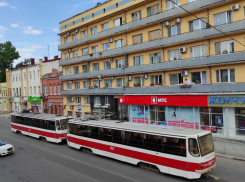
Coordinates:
(3, 97)
(9, 89)
(173, 52)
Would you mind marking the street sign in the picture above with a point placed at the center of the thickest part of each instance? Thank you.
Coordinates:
(79, 107)
(50, 104)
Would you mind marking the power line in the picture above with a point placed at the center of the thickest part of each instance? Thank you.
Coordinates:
(35, 37)
(208, 23)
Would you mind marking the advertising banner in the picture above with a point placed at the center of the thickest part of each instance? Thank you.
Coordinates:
(139, 114)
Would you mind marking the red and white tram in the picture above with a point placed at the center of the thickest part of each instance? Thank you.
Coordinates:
(178, 151)
(49, 127)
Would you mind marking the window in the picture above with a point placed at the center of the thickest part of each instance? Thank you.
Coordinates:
(118, 22)
(120, 63)
(137, 39)
(199, 77)
(154, 35)
(106, 46)
(51, 89)
(35, 90)
(45, 90)
(75, 54)
(153, 10)
(74, 37)
(225, 47)
(68, 86)
(105, 26)
(25, 91)
(66, 40)
(68, 71)
(198, 51)
(157, 113)
(55, 89)
(87, 100)
(120, 82)
(174, 55)
(77, 85)
(85, 68)
(108, 83)
(29, 75)
(173, 4)
(97, 101)
(96, 83)
(69, 100)
(107, 101)
(84, 33)
(240, 120)
(33, 75)
(95, 66)
(223, 18)
(174, 30)
(69, 113)
(136, 16)
(59, 89)
(30, 90)
(193, 147)
(94, 49)
(93, 30)
(67, 55)
(176, 79)
(37, 73)
(138, 60)
(85, 51)
(107, 65)
(196, 24)
(226, 75)
(156, 80)
(119, 43)
(155, 58)
(78, 100)
(138, 81)
(76, 69)
(86, 84)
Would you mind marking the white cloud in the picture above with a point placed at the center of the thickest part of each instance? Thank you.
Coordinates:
(3, 28)
(55, 29)
(13, 7)
(36, 46)
(30, 30)
(15, 25)
(2, 4)
(1, 37)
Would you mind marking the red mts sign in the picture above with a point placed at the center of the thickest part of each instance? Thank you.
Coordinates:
(121, 100)
(167, 100)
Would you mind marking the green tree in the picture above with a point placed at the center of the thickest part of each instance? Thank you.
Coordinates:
(25, 62)
(8, 54)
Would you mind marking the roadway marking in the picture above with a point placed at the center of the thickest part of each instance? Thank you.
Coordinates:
(211, 176)
(73, 159)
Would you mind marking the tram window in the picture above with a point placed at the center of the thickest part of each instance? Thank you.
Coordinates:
(13, 119)
(175, 146)
(83, 131)
(22, 120)
(27, 121)
(94, 132)
(105, 134)
(64, 123)
(118, 136)
(153, 142)
(51, 125)
(38, 123)
(135, 139)
(43, 124)
(58, 125)
(74, 128)
(193, 147)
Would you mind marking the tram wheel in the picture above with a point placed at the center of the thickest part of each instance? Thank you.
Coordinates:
(142, 165)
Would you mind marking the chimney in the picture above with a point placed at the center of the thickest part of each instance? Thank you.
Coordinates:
(45, 58)
(32, 61)
(56, 57)
(98, 4)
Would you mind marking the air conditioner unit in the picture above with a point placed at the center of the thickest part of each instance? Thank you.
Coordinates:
(184, 73)
(177, 20)
(70, 82)
(63, 106)
(68, 33)
(110, 40)
(145, 76)
(182, 49)
(110, 60)
(129, 78)
(111, 77)
(235, 7)
(166, 23)
(69, 50)
(72, 99)
(76, 31)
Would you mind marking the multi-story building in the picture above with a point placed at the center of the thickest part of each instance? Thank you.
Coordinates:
(16, 90)
(51, 86)
(154, 50)
(9, 89)
(3, 97)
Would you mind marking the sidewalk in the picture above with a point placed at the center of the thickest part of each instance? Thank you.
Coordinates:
(5, 115)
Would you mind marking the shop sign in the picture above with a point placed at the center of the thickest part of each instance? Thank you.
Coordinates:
(227, 101)
(34, 99)
(120, 100)
(10, 99)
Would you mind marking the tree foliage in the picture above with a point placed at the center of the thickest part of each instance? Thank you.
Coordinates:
(25, 62)
(8, 54)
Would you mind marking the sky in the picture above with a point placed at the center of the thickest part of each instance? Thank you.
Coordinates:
(32, 25)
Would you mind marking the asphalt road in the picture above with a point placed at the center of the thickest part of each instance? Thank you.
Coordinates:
(39, 161)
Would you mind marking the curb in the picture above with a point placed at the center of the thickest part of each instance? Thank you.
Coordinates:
(230, 157)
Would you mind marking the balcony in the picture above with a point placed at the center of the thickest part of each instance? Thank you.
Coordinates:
(197, 89)
(191, 7)
(164, 42)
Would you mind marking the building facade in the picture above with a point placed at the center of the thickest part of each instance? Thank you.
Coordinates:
(153, 48)
(51, 85)
(3, 97)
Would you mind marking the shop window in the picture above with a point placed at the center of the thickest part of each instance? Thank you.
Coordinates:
(153, 10)
(157, 115)
(211, 118)
(240, 121)
(139, 114)
(199, 77)
(176, 79)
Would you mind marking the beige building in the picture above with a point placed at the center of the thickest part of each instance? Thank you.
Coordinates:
(3, 97)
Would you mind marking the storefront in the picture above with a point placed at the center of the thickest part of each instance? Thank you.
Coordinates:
(35, 104)
(224, 116)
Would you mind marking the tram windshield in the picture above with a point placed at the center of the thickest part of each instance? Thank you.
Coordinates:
(63, 124)
(206, 144)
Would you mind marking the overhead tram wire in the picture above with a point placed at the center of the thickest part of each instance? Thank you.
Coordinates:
(209, 24)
